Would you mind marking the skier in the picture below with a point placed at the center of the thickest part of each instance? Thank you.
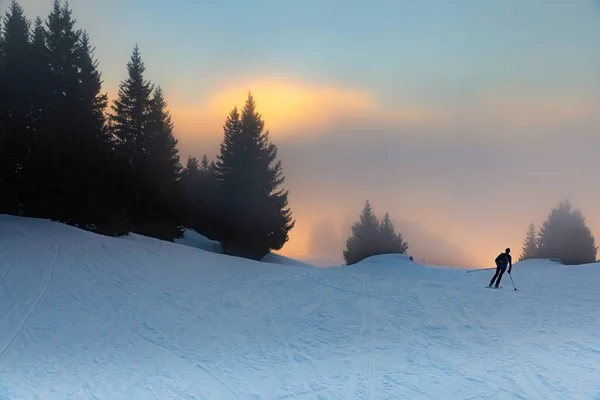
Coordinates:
(502, 261)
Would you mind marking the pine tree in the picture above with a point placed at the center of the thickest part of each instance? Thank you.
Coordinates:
(254, 212)
(207, 176)
(207, 184)
(162, 170)
(64, 53)
(74, 150)
(131, 110)
(163, 161)
(48, 179)
(191, 180)
(105, 179)
(227, 178)
(565, 235)
(15, 105)
(390, 241)
(143, 132)
(208, 220)
(127, 125)
(530, 244)
(197, 183)
(35, 171)
(95, 189)
(192, 167)
(205, 165)
(366, 238)
(40, 76)
(92, 100)
(15, 52)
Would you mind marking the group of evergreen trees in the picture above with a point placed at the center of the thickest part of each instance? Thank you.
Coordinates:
(372, 237)
(65, 156)
(68, 155)
(55, 149)
(563, 235)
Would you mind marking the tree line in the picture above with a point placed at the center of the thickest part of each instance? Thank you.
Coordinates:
(68, 155)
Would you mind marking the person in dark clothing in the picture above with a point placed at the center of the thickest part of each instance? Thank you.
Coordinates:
(502, 261)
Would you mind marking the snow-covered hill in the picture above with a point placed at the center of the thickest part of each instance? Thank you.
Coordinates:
(89, 317)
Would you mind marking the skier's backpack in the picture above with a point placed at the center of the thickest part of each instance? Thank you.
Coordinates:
(501, 259)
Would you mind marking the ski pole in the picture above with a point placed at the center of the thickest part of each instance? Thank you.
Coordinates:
(513, 282)
(476, 270)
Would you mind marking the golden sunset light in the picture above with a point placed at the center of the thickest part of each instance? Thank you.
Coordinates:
(287, 107)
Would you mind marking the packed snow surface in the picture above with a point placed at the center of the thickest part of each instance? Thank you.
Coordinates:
(84, 316)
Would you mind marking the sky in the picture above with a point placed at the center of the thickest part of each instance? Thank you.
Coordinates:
(465, 120)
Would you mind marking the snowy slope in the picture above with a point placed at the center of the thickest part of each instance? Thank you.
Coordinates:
(89, 317)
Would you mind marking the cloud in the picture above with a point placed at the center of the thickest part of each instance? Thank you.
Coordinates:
(297, 111)
(301, 107)
(518, 108)
(292, 109)
(287, 106)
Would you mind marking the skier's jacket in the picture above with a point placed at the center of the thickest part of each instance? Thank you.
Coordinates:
(502, 260)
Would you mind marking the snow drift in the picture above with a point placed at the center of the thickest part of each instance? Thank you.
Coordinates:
(84, 316)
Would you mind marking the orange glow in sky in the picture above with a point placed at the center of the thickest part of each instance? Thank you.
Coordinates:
(286, 107)
(299, 112)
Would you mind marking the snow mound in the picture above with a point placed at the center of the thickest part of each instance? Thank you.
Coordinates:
(197, 240)
(387, 259)
(84, 316)
(274, 258)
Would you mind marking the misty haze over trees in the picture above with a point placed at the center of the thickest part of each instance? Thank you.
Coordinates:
(563, 235)
(372, 237)
(70, 155)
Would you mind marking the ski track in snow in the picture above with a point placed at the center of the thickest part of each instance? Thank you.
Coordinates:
(40, 297)
(85, 316)
(12, 257)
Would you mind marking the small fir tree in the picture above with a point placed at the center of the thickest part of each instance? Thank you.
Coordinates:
(391, 242)
(365, 239)
(530, 244)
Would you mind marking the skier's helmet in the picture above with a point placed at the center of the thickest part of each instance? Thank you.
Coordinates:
(507, 250)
